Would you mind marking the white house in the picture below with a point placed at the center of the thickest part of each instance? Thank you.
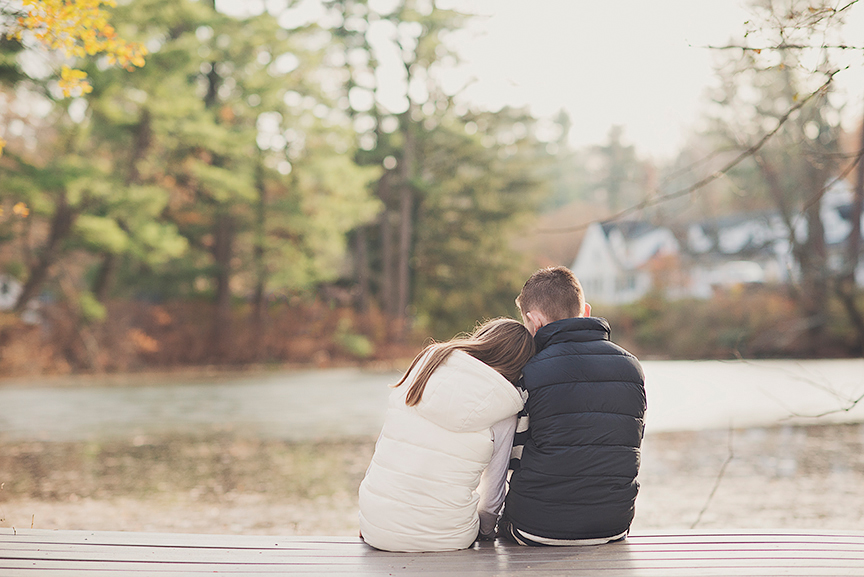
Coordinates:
(620, 262)
(612, 262)
(739, 249)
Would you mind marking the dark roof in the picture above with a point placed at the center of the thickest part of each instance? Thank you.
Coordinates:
(629, 228)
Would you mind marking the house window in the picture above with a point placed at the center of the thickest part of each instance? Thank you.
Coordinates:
(625, 282)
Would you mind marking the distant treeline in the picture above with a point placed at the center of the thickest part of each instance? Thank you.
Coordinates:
(138, 336)
(247, 163)
(270, 190)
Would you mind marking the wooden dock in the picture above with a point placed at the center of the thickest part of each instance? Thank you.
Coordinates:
(28, 552)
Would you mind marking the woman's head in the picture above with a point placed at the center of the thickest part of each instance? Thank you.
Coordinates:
(503, 344)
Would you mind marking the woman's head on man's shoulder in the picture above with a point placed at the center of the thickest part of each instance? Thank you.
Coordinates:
(503, 344)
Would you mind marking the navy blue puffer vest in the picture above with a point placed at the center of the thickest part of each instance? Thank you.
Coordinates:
(586, 404)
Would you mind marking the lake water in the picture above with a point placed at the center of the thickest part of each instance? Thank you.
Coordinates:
(326, 404)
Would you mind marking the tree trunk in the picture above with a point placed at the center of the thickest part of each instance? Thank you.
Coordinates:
(406, 223)
(775, 189)
(258, 252)
(846, 288)
(61, 226)
(388, 280)
(223, 240)
(815, 278)
(361, 260)
(140, 144)
(105, 277)
(811, 291)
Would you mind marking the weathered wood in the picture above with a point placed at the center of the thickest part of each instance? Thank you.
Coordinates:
(78, 553)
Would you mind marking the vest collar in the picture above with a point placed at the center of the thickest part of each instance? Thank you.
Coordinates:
(577, 329)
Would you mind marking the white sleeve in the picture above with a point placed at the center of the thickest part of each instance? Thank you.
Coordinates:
(492, 481)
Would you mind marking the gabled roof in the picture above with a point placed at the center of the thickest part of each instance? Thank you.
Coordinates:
(630, 229)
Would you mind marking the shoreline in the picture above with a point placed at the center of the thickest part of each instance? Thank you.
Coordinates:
(187, 374)
(787, 476)
(193, 373)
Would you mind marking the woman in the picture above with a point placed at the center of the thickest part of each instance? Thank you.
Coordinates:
(437, 477)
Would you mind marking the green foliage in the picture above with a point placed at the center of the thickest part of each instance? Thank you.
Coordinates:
(193, 137)
(14, 268)
(233, 166)
(91, 309)
(457, 183)
(329, 197)
(474, 197)
(356, 345)
(101, 233)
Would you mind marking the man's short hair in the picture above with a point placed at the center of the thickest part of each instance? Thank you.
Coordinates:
(554, 291)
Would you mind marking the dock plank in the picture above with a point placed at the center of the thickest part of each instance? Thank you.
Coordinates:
(77, 553)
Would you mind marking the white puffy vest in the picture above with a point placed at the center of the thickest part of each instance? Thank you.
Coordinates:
(419, 493)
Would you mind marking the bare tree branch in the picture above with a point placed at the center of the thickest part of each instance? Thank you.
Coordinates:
(817, 196)
(852, 404)
(783, 46)
(660, 198)
(729, 457)
(822, 384)
(849, 5)
(707, 158)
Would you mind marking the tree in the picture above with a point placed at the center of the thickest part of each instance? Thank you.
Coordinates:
(253, 149)
(782, 82)
(415, 32)
(223, 169)
(476, 192)
(620, 171)
(439, 253)
(569, 176)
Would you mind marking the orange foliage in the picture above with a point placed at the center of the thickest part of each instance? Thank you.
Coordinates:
(20, 209)
(142, 341)
(146, 336)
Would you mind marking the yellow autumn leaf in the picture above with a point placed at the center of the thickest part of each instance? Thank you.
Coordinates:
(77, 28)
(72, 79)
(20, 209)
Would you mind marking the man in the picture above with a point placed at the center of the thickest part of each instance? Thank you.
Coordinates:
(575, 467)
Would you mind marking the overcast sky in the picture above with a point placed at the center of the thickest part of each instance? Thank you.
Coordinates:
(642, 65)
(639, 64)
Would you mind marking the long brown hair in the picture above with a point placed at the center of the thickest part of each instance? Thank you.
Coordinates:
(503, 344)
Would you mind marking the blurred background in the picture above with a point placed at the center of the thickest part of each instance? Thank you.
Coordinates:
(226, 226)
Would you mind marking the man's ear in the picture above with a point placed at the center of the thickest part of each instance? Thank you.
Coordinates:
(536, 319)
(587, 312)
